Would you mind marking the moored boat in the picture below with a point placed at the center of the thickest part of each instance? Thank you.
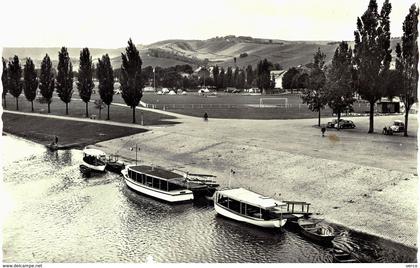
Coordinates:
(94, 159)
(157, 183)
(316, 232)
(341, 256)
(246, 206)
(113, 165)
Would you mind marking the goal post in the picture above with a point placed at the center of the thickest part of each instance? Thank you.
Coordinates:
(273, 102)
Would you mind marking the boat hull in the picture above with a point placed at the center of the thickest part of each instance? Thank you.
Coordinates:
(171, 197)
(311, 233)
(93, 167)
(258, 222)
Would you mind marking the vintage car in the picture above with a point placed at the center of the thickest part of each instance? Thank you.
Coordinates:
(396, 127)
(343, 124)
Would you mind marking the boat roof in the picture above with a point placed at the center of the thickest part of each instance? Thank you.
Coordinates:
(156, 172)
(249, 197)
(93, 152)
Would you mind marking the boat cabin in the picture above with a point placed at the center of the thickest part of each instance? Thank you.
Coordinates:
(154, 177)
(94, 157)
(249, 204)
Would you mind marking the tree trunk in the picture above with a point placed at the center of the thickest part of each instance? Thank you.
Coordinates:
(371, 110)
(32, 106)
(67, 108)
(49, 102)
(407, 110)
(338, 120)
(17, 104)
(319, 117)
(107, 118)
(87, 114)
(134, 114)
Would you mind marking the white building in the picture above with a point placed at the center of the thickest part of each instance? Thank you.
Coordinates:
(278, 78)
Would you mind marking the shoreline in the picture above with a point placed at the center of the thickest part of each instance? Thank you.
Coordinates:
(335, 223)
(298, 167)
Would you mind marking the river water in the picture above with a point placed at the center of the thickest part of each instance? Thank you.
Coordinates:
(53, 214)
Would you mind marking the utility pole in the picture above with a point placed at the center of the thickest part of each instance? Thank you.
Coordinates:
(137, 149)
(154, 78)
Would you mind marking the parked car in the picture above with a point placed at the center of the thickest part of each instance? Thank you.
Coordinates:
(343, 124)
(346, 124)
(396, 127)
(333, 123)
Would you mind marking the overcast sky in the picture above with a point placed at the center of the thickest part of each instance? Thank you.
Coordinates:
(109, 24)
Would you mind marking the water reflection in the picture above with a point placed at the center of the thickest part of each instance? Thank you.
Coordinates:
(60, 216)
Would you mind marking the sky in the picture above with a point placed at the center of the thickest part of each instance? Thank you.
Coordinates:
(109, 24)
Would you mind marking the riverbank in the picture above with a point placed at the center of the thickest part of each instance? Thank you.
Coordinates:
(366, 182)
(76, 134)
(119, 112)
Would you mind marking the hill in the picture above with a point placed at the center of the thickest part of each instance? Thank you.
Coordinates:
(219, 50)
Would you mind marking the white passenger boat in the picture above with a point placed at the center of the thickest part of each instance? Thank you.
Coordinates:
(157, 183)
(246, 206)
(94, 159)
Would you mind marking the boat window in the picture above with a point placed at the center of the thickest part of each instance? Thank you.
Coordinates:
(156, 183)
(163, 185)
(252, 211)
(235, 205)
(149, 181)
(130, 173)
(174, 187)
(223, 200)
(142, 178)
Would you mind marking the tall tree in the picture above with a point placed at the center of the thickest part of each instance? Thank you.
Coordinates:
(222, 78)
(241, 80)
(229, 77)
(14, 75)
(85, 77)
(408, 60)
(287, 81)
(314, 94)
(46, 80)
(4, 80)
(372, 54)
(105, 75)
(249, 76)
(131, 83)
(339, 87)
(215, 72)
(64, 81)
(235, 77)
(30, 82)
(263, 75)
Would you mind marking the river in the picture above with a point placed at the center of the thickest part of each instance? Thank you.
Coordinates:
(53, 214)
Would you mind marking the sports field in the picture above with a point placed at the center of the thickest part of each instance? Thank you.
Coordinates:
(239, 106)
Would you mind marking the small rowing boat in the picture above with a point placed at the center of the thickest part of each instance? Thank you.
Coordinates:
(316, 232)
(341, 256)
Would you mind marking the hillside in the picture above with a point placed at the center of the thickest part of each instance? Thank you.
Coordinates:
(218, 50)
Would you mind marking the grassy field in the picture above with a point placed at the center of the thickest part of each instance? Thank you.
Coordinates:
(43, 130)
(121, 114)
(231, 106)
(240, 106)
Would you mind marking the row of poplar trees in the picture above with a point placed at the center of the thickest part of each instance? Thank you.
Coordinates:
(366, 68)
(131, 83)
